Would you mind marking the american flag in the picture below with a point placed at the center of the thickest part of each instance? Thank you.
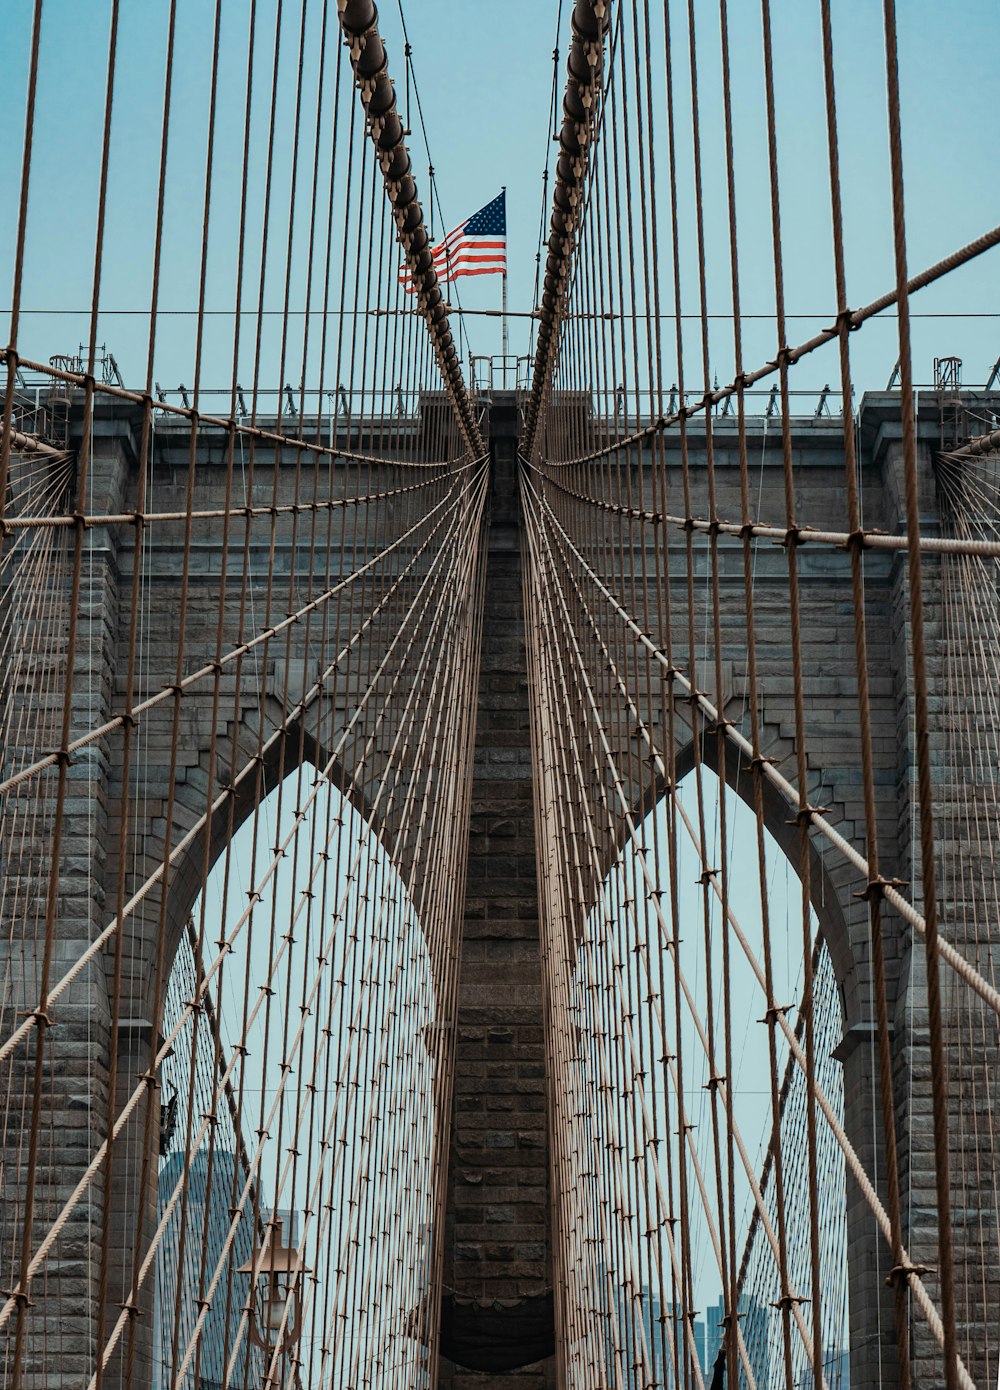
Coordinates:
(477, 246)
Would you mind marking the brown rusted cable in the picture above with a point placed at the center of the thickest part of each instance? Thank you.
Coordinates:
(912, 1274)
(854, 522)
(980, 445)
(792, 355)
(922, 727)
(581, 110)
(633, 627)
(359, 20)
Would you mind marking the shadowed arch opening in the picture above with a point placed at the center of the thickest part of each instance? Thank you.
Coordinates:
(293, 759)
(677, 1083)
(298, 1105)
(781, 827)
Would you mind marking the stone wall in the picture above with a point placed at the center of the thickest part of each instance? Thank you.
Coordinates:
(497, 1237)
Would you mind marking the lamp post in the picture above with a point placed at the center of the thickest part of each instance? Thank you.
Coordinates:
(278, 1269)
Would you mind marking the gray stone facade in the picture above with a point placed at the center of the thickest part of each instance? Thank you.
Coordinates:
(497, 1236)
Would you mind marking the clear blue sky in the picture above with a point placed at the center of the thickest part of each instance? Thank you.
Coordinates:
(485, 75)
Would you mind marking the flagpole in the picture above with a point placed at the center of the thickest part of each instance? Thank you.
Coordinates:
(503, 313)
(503, 296)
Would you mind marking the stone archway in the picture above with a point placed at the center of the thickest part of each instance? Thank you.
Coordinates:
(610, 950)
(337, 949)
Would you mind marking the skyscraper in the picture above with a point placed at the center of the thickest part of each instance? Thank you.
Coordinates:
(180, 1284)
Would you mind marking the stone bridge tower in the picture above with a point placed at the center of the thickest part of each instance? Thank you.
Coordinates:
(499, 1244)
(499, 1262)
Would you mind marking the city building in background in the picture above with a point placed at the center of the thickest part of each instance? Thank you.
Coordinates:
(189, 1269)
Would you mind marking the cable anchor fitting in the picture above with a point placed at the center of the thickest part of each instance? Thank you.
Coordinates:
(875, 888)
(905, 1271)
(847, 316)
(20, 1297)
(758, 761)
(772, 1014)
(806, 813)
(41, 1018)
(788, 1300)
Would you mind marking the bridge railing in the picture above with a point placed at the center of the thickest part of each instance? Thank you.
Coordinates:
(499, 372)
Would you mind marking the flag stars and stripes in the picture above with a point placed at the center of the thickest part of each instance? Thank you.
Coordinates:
(477, 246)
